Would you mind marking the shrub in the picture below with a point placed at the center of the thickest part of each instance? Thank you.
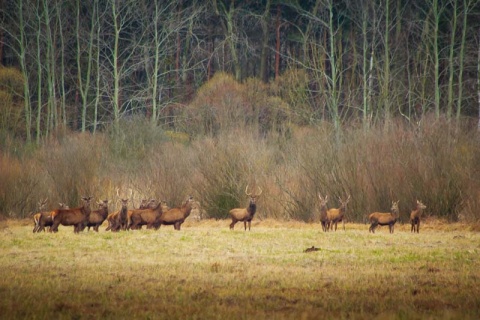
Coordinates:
(20, 186)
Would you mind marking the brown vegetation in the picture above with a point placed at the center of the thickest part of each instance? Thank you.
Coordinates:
(384, 219)
(245, 214)
(415, 216)
(293, 170)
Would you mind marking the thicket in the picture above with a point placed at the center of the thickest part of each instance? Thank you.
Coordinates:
(434, 161)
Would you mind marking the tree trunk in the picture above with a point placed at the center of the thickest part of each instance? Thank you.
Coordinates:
(277, 42)
(265, 22)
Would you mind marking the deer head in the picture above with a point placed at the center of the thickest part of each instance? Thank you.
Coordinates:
(394, 207)
(420, 205)
(41, 204)
(323, 201)
(344, 203)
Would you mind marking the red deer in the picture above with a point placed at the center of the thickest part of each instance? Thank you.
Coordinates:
(335, 216)
(415, 216)
(245, 214)
(45, 219)
(114, 219)
(146, 204)
(76, 217)
(119, 219)
(383, 219)
(176, 216)
(149, 217)
(97, 217)
(36, 217)
(323, 212)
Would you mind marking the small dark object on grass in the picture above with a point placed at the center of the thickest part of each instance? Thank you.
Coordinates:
(311, 249)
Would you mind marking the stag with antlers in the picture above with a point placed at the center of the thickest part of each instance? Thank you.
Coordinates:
(337, 215)
(245, 214)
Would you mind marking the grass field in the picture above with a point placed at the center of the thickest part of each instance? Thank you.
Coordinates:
(206, 271)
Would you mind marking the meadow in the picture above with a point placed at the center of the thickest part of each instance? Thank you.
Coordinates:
(206, 271)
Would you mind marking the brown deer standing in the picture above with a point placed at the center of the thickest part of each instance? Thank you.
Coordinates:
(114, 219)
(245, 214)
(323, 212)
(76, 217)
(36, 217)
(122, 218)
(150, 217)
(335, 216)
(383, 219)
(176, 216)
(45, 219)
(415, 216)
(97, 217)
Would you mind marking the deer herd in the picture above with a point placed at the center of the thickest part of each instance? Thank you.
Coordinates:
(153, 214)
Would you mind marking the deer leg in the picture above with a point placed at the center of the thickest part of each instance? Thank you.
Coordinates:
(249, 224)
(245, 225)
(232, 224)
(418, 226)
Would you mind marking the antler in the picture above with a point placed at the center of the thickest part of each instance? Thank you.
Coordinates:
(322, 198)
(254, 195)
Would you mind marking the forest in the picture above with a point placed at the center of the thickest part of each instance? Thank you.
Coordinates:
(379, 100)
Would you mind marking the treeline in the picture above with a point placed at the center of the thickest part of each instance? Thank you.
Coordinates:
(83, 65)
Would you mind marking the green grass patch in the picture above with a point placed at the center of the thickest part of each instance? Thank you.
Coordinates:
(210, 272)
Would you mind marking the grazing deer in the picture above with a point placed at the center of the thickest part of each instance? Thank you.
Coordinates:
(45, 219)
(245, 214)
(176, 216)
(384, 219)
(76, 217)
(36, 216)
(335, 216)
(323, 212)
(415, 216)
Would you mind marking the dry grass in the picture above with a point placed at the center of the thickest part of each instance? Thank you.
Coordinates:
(206, 271)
